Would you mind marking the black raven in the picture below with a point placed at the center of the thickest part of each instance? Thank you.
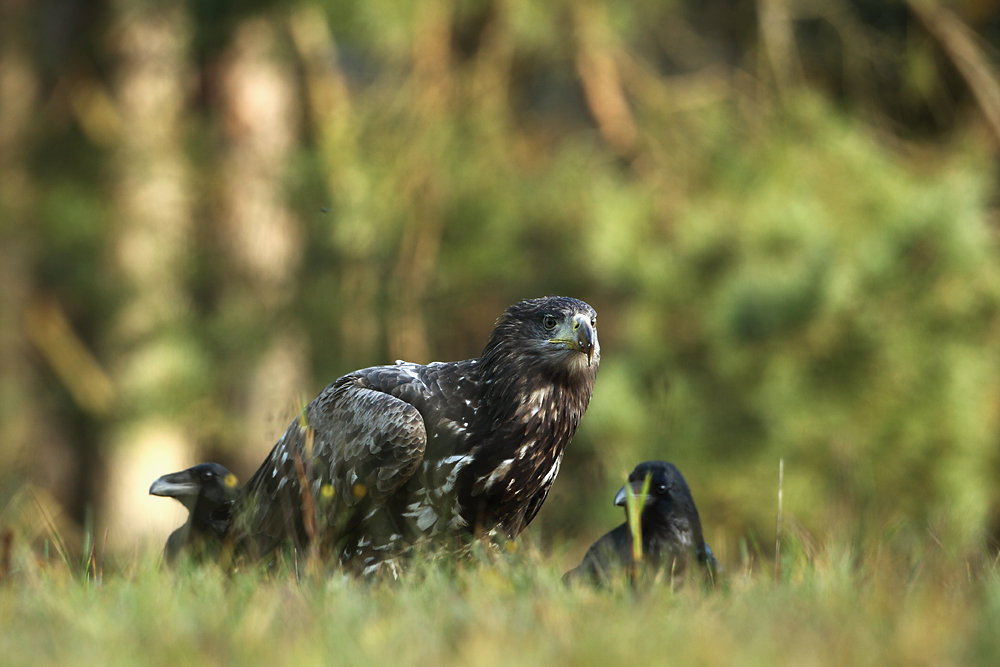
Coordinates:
(670, 529)
(407, 452)
(208, 491)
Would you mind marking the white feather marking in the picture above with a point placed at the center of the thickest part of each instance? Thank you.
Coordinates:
(424, 514)
(523, 450)
(460, 462)
(456, 518)
(381, 566)
(539, 396)
(454, 427)
(535, 403)
(409, 371)
(553, 471)
(427, 518)
(499, 472)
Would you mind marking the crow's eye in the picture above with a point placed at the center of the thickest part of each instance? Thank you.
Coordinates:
(549, 322)
(662, 488)
(208, 474)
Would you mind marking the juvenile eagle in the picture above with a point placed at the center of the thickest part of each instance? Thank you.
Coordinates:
(670, 529)
(406, 452)
(209, 492)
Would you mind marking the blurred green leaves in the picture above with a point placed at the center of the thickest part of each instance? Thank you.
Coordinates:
(776, 276)
(826, 302)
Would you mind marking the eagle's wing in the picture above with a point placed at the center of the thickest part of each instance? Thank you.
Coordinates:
(364, 442)
(366, 437)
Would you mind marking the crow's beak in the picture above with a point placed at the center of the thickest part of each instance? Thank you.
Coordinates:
(636, 490)
(176, 485)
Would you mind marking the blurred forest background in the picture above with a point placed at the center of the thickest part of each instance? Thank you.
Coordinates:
(784, 212)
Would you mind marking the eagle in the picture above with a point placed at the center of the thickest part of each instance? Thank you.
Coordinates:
(669, 525)
(209, 492)
(391, 456)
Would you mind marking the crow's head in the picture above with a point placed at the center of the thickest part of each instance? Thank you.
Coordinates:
(202, 489)
(669, 513)
(209, 492)
(556, 333)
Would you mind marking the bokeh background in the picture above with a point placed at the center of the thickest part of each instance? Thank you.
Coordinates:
(784, 212)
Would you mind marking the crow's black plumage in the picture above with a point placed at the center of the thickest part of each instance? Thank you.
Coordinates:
(209, 492)
(406, 452)
(670, 529)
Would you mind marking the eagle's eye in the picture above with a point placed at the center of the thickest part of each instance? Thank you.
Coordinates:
(549, 322)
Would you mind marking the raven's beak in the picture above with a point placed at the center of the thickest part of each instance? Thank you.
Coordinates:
(176, 485)
(636, 490)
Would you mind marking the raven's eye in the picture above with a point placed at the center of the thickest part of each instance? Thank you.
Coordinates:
(549, 322)
(662, 488)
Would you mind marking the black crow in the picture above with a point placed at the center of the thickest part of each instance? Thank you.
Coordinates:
(670, 530)
(209, 492)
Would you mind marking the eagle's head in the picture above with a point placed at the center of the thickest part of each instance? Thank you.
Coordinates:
(202, 489)
(554, 333)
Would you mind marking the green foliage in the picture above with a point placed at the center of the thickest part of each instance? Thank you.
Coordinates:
(774, 276)
(817, 299)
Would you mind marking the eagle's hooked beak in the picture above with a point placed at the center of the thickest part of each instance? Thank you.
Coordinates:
(636, 490)
(584, 337)
(578, 334)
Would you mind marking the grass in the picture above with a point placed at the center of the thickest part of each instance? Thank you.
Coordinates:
(876, 605)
